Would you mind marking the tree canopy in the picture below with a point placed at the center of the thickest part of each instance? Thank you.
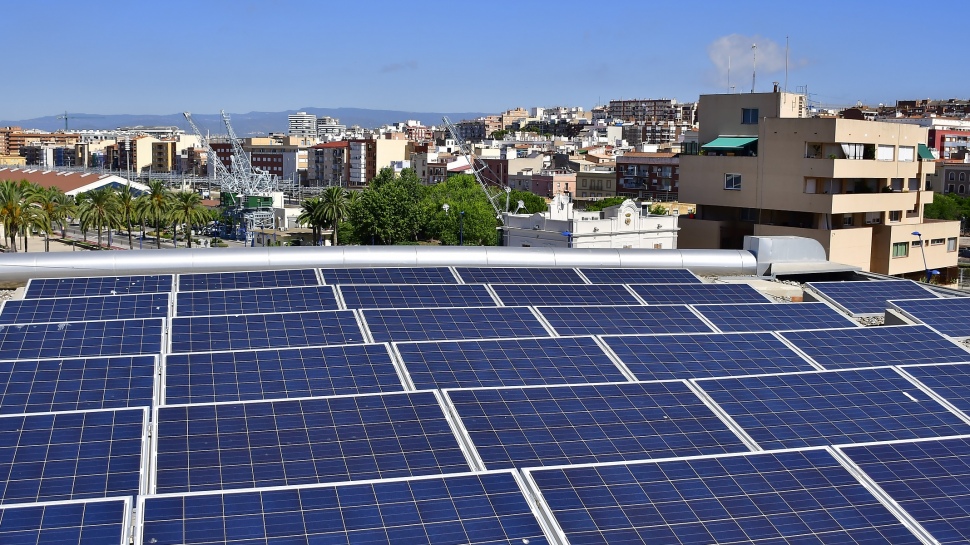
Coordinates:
(388, 211)
(468, 219)
(595, 206)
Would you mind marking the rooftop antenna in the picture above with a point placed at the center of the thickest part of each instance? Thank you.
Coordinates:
(754, 64)
(729, 74)
(786, 64)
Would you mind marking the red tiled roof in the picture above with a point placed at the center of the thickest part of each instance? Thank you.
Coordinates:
(66, 182)
(337, 144)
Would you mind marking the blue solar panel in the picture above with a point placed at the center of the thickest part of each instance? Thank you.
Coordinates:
(480, 509)
(830, 408)
(507, 362)
(302, 441)
(869, 297)
(929, 479)
(71, 455)
(267, 374)
(80, 309)
(871, 346)
(571, 295)
(81, 339)
(87, 522)
(950, 317)
(773, 316)
(639, 276)
(615, 320)
(248, 331)
(395, 275)
(522, 427)
(255, 301)
(798, 497)
(519, 275)
(48, 288)
(31, 386)
(415, 295)
(659, 294)
(700, 355)
(434, 324)
(952, 382)
(247, 280)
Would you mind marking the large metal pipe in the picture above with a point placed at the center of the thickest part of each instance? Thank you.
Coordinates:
(16, 269)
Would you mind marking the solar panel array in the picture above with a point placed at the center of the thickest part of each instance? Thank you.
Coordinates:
(478, 405)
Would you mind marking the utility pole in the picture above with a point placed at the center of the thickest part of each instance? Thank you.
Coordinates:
(754, 64)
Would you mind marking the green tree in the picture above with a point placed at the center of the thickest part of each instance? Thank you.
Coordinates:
(310, 214)
(333, 208)
(388, 211)
(596, 206)
(16, 210)
(533, 203)
(99, 209)
(154, 206)
(127, 210)
(469, 218)
(944, 207)
(657, 210)
(187, 210)
(499, 134)
(55, 207)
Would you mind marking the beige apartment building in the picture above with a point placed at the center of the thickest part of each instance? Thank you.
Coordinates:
(858, 187)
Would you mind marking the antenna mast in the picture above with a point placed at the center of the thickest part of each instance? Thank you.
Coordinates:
(754, 64)
(786, 64)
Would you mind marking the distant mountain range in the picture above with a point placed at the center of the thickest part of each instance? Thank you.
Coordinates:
(248, 124)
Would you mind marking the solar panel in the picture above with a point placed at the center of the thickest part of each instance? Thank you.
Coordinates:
(606, 320)
(658, 294)
(71, 455)
(249, 331)
(831, 407)
(86, 522)
(929, 479)
(394, 275)
(565, 295)
(950, 317)
(519, 275)
(432, 324)
(79, 309)
(795, 497)
(302, 441)
(952, 382)
(639, 276)
(871, 346)
(255, 301)
(81, 339)
(522, 427)
(247, 280)
(773, 316)
(702, 355)
(266, 374)
(507, 362)
(869, 297)
(415, 296)
(31, 386)
(478, 509)
(48, 288)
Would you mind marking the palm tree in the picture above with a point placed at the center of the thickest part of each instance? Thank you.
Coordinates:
(54, 207)
(126, 210)
(99, 208)
(187, 210)
(310, 215)
(334, 207)
(15, 208)
(154, 205)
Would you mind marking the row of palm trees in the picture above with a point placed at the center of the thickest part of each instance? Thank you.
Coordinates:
(327, 210)
(26, 207)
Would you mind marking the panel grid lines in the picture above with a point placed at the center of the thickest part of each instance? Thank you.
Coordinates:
(401, 325)
(869, 297)
(415, 295)
(950, 317)
(773, 316)
(249, 331)
(74, 309)
(49, 288)
(389, 275)
(585, 294)
(873, 346)
(519, 275)
(255, 301)
(604, 320)
(659, 294)
(85, 522)
(81, 339)
(247, 280)
(640, 276)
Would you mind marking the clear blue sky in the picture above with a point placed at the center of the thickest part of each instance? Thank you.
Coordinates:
(144, 57)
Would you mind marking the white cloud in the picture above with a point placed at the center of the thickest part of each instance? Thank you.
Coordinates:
(737, 48)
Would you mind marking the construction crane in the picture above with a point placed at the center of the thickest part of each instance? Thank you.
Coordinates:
(67, 116)
(478, 166)
(258, 181)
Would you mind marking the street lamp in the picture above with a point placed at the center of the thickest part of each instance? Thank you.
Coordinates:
(929, 273)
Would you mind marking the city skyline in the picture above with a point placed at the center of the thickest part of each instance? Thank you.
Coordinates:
(285, 55)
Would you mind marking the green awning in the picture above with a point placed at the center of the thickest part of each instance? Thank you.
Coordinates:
(925, 153)
(729, 142)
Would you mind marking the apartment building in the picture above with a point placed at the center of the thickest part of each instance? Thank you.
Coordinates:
(952, 176)
(552, 182)
(857, 187)
(652, 176)
(12, 138)
(302, 125)
(368, 156)
(329, 128)
(640, 109)
(594, 185)
(329, 163)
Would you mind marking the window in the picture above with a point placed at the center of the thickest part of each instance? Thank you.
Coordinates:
(884, 153)
(895, 215)
(749, 116)
(962, 189)
(949, 188)
(937, 242)
(847, 220)
(963, 176)
(873, 217)
(732, 181)
(916, 244)
(951, 176)
(951, 244)
(900, 249)
(907, 153)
